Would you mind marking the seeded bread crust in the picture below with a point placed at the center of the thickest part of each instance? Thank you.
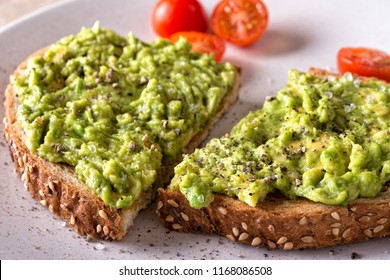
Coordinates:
(56, 186)
(279, 222)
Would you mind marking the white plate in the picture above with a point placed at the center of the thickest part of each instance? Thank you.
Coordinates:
(302, 33)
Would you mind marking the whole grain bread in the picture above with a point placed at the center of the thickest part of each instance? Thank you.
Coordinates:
(280, 222)
(56, 186)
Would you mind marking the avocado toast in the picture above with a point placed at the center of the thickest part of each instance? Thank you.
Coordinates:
(96, 122)
(308, 170)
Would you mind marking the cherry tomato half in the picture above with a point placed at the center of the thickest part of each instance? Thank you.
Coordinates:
(241, 22)
(202, 42)
(171, 16)
(365, 62)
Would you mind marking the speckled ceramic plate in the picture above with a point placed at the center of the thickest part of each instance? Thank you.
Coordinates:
(302, 33)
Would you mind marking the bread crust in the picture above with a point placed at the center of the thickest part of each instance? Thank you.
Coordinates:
(56, 186)
(280, 222)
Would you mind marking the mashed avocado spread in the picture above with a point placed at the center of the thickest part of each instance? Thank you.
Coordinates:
(326, 139)
(116, 108)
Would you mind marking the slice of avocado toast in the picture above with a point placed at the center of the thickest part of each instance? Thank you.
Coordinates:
(310, 169)
(96, 121)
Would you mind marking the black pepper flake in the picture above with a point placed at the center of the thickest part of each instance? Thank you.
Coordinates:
(110, 74)
(355, 256)
(60, 148)
(263, 158)
(246, 169)
(132, 145)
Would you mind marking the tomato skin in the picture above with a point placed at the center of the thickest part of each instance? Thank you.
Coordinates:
(240, 22)
(171, 16)
(202, 42)
(364, 62)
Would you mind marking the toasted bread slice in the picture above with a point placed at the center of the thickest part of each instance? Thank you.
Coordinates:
(279, 222)
(57, 187)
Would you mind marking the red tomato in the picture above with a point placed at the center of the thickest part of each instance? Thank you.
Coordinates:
(364, 62)
(171, 16)
(202, 42)
(241, 22)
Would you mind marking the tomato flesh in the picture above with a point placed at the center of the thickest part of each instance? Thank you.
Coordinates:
(202, 42)
(171, 16)
(241, 22)
(364, 62)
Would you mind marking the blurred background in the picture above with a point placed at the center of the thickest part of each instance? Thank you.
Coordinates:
(13, 9)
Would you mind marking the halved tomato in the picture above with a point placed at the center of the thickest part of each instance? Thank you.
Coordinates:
(365, 62)
(241, 22)
(202, 42)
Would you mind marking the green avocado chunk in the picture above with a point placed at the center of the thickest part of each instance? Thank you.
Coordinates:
(116, 108)
(323, 138)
